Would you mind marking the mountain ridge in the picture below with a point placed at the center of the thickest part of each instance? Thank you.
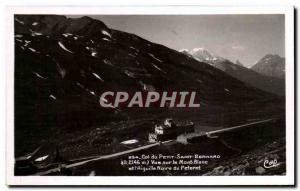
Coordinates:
(237, 70)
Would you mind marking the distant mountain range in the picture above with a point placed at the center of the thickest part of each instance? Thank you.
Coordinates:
(271, 65)
(270, 83)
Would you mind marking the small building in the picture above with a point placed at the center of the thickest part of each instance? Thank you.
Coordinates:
(169, 130)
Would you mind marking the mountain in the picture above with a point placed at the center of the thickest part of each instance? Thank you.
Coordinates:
(271, 65)
(238, 71)
(266, 83)
(62, 66)
(202, 55)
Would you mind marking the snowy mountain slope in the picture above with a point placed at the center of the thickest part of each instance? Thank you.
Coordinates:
(203, 55)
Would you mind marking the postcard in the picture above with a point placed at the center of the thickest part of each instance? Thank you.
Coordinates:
(174, 95)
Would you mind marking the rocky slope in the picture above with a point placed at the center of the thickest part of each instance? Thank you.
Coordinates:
(252, 163)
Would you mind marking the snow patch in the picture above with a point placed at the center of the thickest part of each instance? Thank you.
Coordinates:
(27, 42)
(35, 23)
(94, 53)
(28, 157)
(106, 33)
(158, 68)
(33, 33)
(63, 47)
(32, 50)
(154, 57)
(97, 76)
(39, 76)
(37, 34)
(19, 21)
(18, 36)
(67, 34)
(106, 39)
(41, 158)
(52, 97)
(128, 142)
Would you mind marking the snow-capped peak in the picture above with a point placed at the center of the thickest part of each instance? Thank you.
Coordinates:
(198, 49)
(202, 55)
(183, 50)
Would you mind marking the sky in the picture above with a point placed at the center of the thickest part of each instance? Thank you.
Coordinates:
(244, 37)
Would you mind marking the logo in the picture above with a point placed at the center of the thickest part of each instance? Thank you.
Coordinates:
(149, 99)
(271, 163)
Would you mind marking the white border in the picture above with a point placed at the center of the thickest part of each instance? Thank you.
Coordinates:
(288, 179)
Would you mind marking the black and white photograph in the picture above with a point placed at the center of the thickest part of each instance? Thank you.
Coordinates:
(151, 95)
